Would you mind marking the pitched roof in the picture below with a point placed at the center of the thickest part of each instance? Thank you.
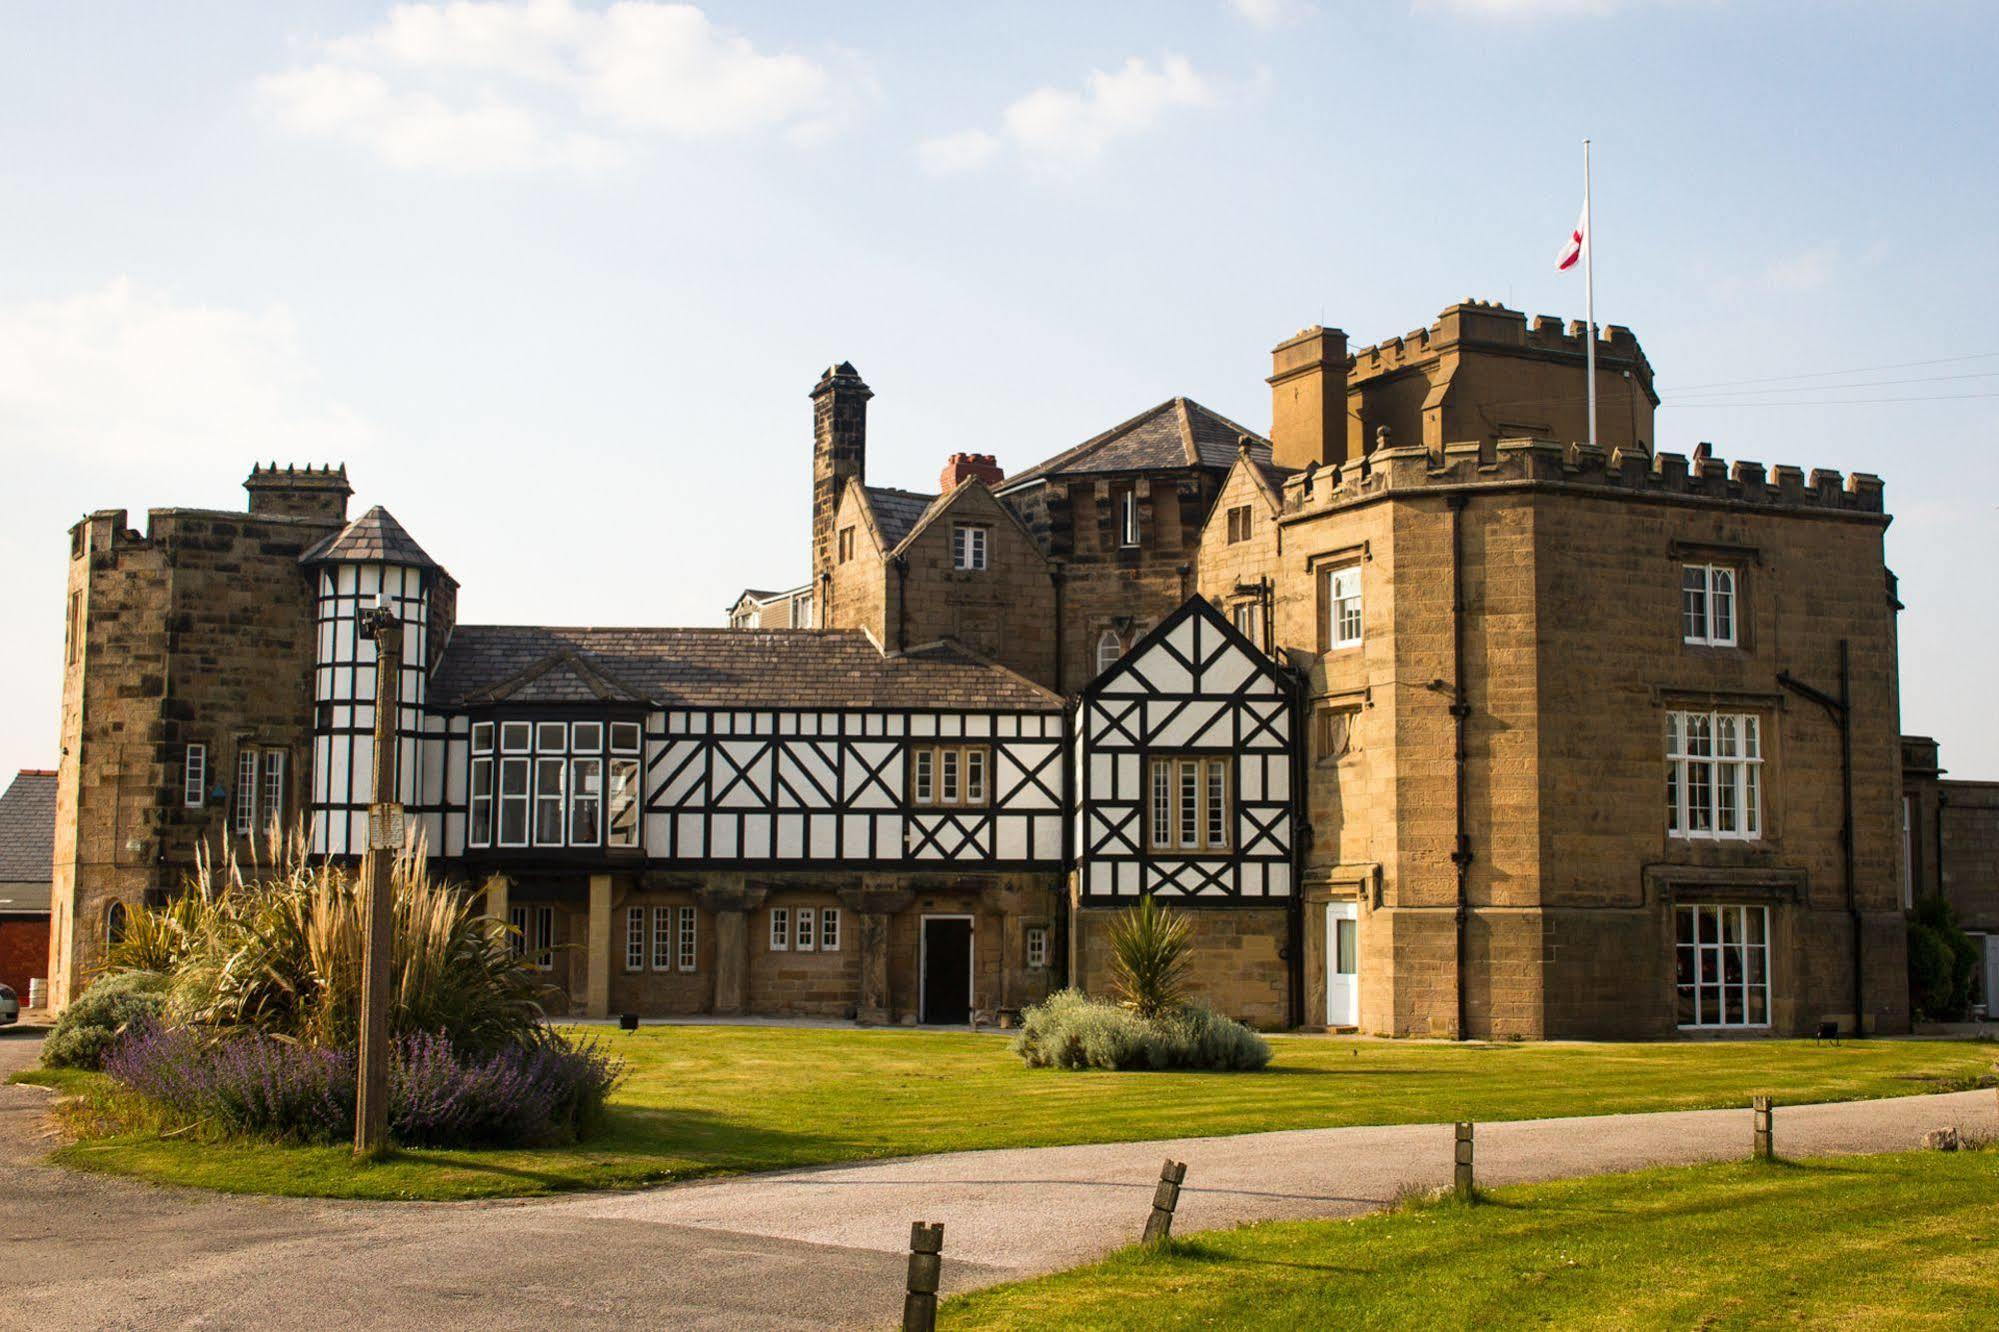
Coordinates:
(897, 511)
(1177, 433)
(722, 668)
(373, 538)
(27, 841)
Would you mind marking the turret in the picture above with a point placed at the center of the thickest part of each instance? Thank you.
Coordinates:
(372, 561)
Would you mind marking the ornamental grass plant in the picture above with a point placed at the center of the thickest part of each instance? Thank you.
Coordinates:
(1071, 1030)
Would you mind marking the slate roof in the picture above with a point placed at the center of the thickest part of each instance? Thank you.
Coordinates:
(373, 538)
(897, 511)
(721, 668)
(27, 841)
(1177, 433)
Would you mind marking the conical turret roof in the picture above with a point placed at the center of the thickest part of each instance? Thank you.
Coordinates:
(373, 538)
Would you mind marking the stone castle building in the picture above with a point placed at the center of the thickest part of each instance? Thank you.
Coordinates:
(1433, 720)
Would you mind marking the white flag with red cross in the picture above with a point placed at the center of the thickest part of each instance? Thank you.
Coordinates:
(1572, 249)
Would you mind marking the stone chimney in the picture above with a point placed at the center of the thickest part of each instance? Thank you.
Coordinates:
(1308, 399)
(964, 466)
(839, 451)
(319, 493)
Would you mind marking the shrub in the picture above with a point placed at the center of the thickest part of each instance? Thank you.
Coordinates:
(1943, 963)
(246, 1083)
(112, 1005)
(1149, 946)
(1073, 1031)
(280, 952)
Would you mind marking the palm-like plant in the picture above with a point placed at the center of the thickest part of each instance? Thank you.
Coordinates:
(1149, 946)
(279, 951)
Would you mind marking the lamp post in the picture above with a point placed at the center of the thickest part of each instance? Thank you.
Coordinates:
(385, 840)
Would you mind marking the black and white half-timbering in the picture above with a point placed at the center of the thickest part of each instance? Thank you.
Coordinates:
(1184, 759)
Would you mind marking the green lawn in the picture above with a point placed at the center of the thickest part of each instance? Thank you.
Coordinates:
(1908, 1241)
(714, 1100)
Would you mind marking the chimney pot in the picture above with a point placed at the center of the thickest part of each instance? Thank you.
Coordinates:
(962, 467)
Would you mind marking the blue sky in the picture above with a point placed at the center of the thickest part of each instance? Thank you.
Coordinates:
(553, 279)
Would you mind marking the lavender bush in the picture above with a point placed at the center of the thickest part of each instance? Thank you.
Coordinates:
(249, 1084)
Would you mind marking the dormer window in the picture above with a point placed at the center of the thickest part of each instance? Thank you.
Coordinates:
(968, 546)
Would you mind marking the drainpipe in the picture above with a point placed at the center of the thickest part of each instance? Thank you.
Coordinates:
(1936, 831)
(1057, 574)
(901, 564)
(1067, 918)
(1461, 855)
(1840, 709)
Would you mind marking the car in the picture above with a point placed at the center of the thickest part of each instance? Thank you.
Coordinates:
(10, 1007)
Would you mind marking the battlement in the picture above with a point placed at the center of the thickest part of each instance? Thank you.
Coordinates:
(300, 492)
(1408, 469)
(1490, 326)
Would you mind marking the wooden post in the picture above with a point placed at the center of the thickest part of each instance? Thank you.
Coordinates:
(1165, 1198)
(926, 1264)
(385, 839)
(1760, 1136)
(1462, 1176)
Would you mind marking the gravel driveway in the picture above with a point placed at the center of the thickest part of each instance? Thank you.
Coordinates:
(808, 1248)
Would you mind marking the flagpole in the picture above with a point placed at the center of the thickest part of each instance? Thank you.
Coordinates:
(1589, 292)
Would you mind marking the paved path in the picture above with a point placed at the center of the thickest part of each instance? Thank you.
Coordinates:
(810, 1248)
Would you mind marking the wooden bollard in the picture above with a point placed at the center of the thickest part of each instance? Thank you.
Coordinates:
(926, 1264)
(1462, 1175)
(1165, 1198)
(1762, 1145)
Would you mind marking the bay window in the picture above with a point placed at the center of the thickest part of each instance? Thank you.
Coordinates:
(559, 784)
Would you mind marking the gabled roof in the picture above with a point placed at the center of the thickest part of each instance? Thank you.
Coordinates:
(1177, 433)
(27, 841)
(373, 538)
(722, 668)
(943, 502)
(564, 676)
(897, 512)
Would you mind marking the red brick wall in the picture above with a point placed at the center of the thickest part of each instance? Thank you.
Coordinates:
(24, 952)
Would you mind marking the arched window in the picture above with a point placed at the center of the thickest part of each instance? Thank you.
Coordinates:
(1109, 649)
(114, 923)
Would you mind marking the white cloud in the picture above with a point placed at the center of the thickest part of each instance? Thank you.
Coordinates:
(499, 85)
(1269, 14)
(1524, 9)
(121, 374)
(966, 150)
(1060, 127)
(1808, 270)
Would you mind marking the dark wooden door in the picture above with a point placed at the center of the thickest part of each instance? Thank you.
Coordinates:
(947, 971)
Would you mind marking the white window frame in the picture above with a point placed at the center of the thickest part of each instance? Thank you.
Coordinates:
(1714, 776)
(1129, 536)
(969, 542)
(1704, 955)
(1710, 605)
(556, 762)
(622, 797)
(1191, 809)
(801, 612)
(1344, 607)
(635, 939)
(1037, 947)
(244, 819)
(950, 776)
(523, 802)
(1246, 617)
(194, 776)
(804, 929)
(480, 805)
(780, 929)
(271, 790)
(662, 938)
(829, 929)
(686, 939)
(584, 772)
(1110, 650)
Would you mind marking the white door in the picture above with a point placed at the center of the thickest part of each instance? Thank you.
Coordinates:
(1342, 964)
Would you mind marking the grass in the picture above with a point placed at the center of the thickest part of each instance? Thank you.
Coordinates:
(1906, 1241)
(718, 1100)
